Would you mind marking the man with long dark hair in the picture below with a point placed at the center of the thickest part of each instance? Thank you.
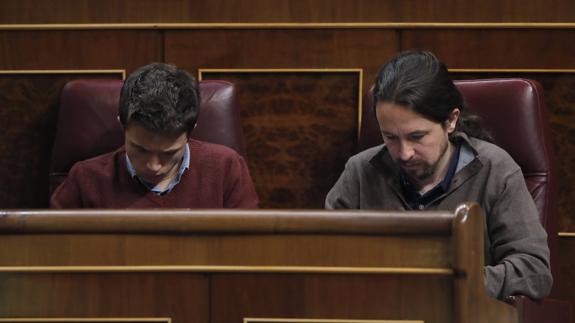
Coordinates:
(436, 156)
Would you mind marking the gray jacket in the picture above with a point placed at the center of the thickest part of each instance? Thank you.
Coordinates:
(516, 251)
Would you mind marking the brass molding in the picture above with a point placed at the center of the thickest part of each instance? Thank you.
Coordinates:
(293, 25)
(90, 320)
(45, 72)
(225, 269)
(510, 70)
(566, 234)
(303, 320)
(360, 105)
(202, 71)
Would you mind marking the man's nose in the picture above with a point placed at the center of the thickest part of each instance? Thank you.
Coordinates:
(153, 163)
(405, 151)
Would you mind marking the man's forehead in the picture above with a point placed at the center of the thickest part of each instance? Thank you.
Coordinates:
(409, 128)
(397, 118)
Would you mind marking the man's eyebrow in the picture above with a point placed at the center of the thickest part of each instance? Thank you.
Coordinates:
(170, 151)
(415, 132)
(137, 146)
(419, 132)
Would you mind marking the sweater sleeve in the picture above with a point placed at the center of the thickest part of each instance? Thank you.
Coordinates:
(239, 191)
(518, 244)
(67, 195)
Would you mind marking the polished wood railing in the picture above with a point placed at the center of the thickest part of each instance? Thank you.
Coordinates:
(250, 265)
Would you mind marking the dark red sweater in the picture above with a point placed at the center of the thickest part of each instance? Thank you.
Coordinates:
(217, 178)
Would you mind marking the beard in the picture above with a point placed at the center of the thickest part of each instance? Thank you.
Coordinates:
(422, 171)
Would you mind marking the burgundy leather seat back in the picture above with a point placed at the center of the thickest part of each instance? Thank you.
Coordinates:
(515, 113)
(88, 121)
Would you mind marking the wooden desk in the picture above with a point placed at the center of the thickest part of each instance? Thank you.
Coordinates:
(225, 266)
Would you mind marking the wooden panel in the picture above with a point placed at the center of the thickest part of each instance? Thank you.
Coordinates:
(299, 128)
(237, 296)
(28, 116)
(495, 48)
(565, 283)
(561, 104)
(283, 48)
(181, 297)
(239, 250)
(182, 293)
(90, 49)
(86, 11)
(224, 238)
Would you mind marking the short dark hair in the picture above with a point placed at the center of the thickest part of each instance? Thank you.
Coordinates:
(421, 82)
(161, 98)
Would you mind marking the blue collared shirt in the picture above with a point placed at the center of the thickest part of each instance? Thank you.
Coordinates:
(183, 166)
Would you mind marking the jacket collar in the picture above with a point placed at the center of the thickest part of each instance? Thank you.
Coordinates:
(467, 167)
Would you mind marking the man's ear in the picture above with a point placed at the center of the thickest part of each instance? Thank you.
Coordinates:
(121, 125)
(452, 121)
(189, 133)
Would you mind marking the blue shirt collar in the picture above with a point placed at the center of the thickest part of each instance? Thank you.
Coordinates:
(183, 166)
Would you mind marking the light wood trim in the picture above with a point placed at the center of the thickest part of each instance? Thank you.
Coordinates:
(201, 71)
(295, 25)
(509, 70)
(44, 72)
(83, 319)
(360, 104)
(221, 220)
(566, 234)
(223, 269)
(302, 320)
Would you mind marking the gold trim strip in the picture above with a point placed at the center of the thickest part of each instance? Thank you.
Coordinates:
(82, 319)
(566, 234)
(42, 72)
(258, 269)
(509, 70)
(201, 71)
(360, 104)
(296, 25)
(300, 320)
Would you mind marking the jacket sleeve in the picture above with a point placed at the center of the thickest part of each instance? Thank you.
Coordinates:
(519, 263)
(67, 195)
(345, 193)
(239, 191)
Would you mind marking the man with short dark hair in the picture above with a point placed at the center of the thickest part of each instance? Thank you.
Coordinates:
(436, 156)
(159, 165)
